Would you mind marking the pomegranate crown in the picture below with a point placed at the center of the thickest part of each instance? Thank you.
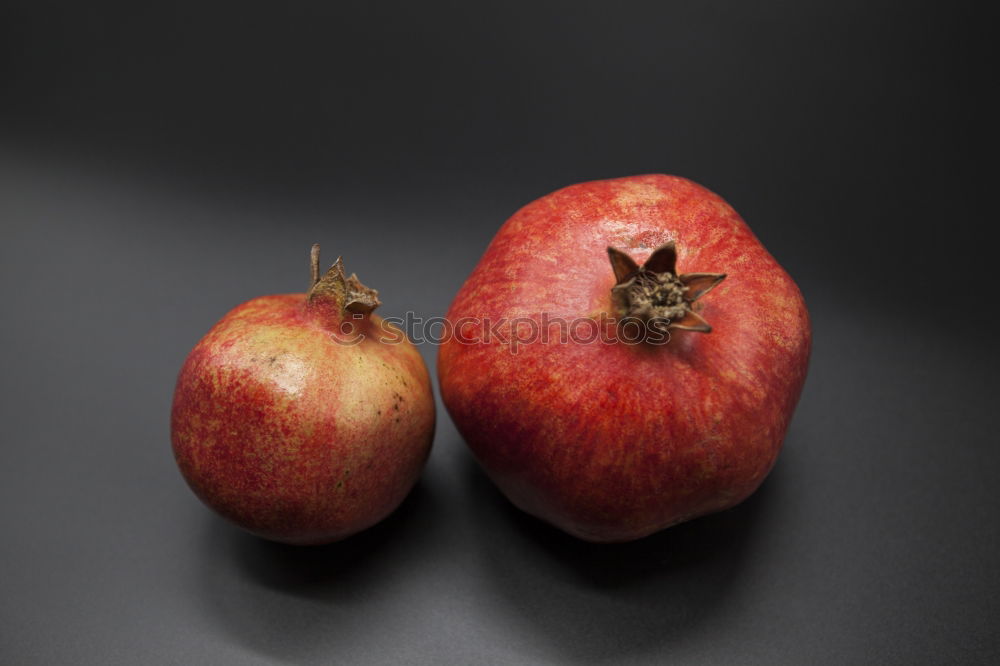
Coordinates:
(655, 292)
(346, 293)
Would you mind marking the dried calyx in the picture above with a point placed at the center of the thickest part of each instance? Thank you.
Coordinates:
(346, 294)
(655, 293)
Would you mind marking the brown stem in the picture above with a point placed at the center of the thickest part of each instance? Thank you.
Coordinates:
(336, 291)
(314, 265)
(655, 293)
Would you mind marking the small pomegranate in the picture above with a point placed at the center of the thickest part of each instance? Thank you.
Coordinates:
(608, 434)
(304, 418)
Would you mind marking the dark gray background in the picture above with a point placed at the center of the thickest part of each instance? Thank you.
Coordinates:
(161, 164)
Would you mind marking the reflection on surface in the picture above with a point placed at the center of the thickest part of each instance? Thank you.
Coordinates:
(461, 572)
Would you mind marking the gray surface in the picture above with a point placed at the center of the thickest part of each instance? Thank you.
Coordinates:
(875, 539)
(163, 162)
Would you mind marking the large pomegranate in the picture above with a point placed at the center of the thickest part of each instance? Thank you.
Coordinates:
(616, 399)
(304, 418)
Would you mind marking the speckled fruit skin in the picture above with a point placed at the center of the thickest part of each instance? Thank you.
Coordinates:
(612, 442)
(294, 436)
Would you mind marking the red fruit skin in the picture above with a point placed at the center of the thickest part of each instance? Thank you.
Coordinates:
(294, 436)
(613, 442)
